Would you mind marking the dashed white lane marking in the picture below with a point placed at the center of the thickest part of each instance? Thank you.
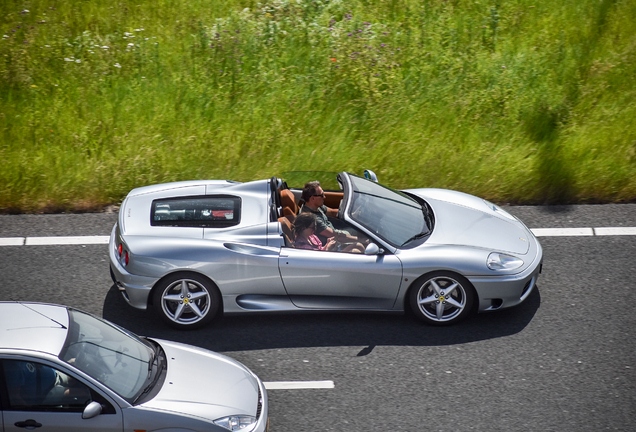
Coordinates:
(583, 232)
(615, 231)
(562, 232)
(78, 240)
(89, 240)
(12, 241)
(298, 385)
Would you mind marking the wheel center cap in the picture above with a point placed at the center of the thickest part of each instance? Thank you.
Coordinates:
(442, 298)
(186, 300)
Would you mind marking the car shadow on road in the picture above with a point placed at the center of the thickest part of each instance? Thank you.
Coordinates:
(295, 330)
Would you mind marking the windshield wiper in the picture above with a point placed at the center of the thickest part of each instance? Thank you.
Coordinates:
(151, 363)
(152, 383)
(156, 357)
(416, 236)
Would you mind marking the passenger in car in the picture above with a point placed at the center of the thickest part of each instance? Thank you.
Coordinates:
(304, 229)
(27, 382)
(314, 198)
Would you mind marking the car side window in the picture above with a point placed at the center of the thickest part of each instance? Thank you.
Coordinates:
(219, 211)
(33, 386)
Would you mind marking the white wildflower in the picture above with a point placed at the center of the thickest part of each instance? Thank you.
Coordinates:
(78, 61)
(117, 65)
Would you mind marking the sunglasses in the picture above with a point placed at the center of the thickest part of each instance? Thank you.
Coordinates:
(321, 195)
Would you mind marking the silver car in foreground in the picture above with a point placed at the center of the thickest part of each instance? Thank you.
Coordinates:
(195, 249)
(65, 370)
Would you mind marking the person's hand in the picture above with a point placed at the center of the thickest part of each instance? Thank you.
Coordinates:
(331, 243)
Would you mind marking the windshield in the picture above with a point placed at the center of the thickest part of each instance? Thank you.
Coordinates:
(118, 359)
(297, 179)
(392, 215)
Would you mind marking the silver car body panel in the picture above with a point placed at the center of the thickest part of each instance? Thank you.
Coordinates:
(41, 333)
(467, 230)
(255, 272)
(314, 279)
(230, 384)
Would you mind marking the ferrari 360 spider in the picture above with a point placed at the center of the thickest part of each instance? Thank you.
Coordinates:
(195, 249)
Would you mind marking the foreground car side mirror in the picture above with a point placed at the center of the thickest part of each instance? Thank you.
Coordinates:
(93, 409)
(373, 249)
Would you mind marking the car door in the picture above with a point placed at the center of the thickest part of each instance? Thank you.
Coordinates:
(337, 280)
(36, 396)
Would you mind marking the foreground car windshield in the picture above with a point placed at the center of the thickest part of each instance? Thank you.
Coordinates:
(392, 215)
(114, 357)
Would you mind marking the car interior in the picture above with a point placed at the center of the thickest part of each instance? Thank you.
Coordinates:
(289, 203)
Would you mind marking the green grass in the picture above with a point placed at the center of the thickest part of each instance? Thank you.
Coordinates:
(515, 101)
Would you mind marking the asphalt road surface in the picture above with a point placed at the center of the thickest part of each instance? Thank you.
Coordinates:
(565, 360)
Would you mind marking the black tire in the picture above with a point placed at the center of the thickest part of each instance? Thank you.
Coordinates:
(441, 298)
(186, 300)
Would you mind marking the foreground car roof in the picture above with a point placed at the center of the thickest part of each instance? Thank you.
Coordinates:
(33, 326)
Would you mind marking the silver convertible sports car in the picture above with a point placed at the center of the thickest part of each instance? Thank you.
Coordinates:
(63, 370)
(195, 249)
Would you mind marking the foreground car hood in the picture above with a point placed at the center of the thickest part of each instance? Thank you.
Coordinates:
(204, 384)
(462, 219)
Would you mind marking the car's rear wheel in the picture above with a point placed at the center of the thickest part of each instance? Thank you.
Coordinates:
(186, 300)
(441, 298)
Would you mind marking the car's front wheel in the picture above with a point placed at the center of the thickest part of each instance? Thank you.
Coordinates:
(186, 301)
(441, 298)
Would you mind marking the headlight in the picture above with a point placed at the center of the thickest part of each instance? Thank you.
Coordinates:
(244, 423)
(499, 261)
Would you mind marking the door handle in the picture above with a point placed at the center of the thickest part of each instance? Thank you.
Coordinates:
(28, 424)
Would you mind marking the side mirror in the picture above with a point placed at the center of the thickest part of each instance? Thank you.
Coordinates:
(370, 175)
(373, 249)
(93, 409)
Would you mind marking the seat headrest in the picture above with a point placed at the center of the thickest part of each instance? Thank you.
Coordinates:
(287, 199)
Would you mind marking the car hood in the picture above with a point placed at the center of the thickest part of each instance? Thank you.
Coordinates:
(466, 220)
(204, 384)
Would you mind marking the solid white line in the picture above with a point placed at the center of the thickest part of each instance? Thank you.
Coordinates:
(80, 240)
(615, 231)
(562, 232)
(298, 385)
(12, 241)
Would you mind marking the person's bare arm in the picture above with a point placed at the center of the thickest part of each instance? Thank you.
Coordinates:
(328, 232)
(332, 212)
(341, 237)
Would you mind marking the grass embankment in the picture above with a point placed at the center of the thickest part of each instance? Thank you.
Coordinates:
(515, 101)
